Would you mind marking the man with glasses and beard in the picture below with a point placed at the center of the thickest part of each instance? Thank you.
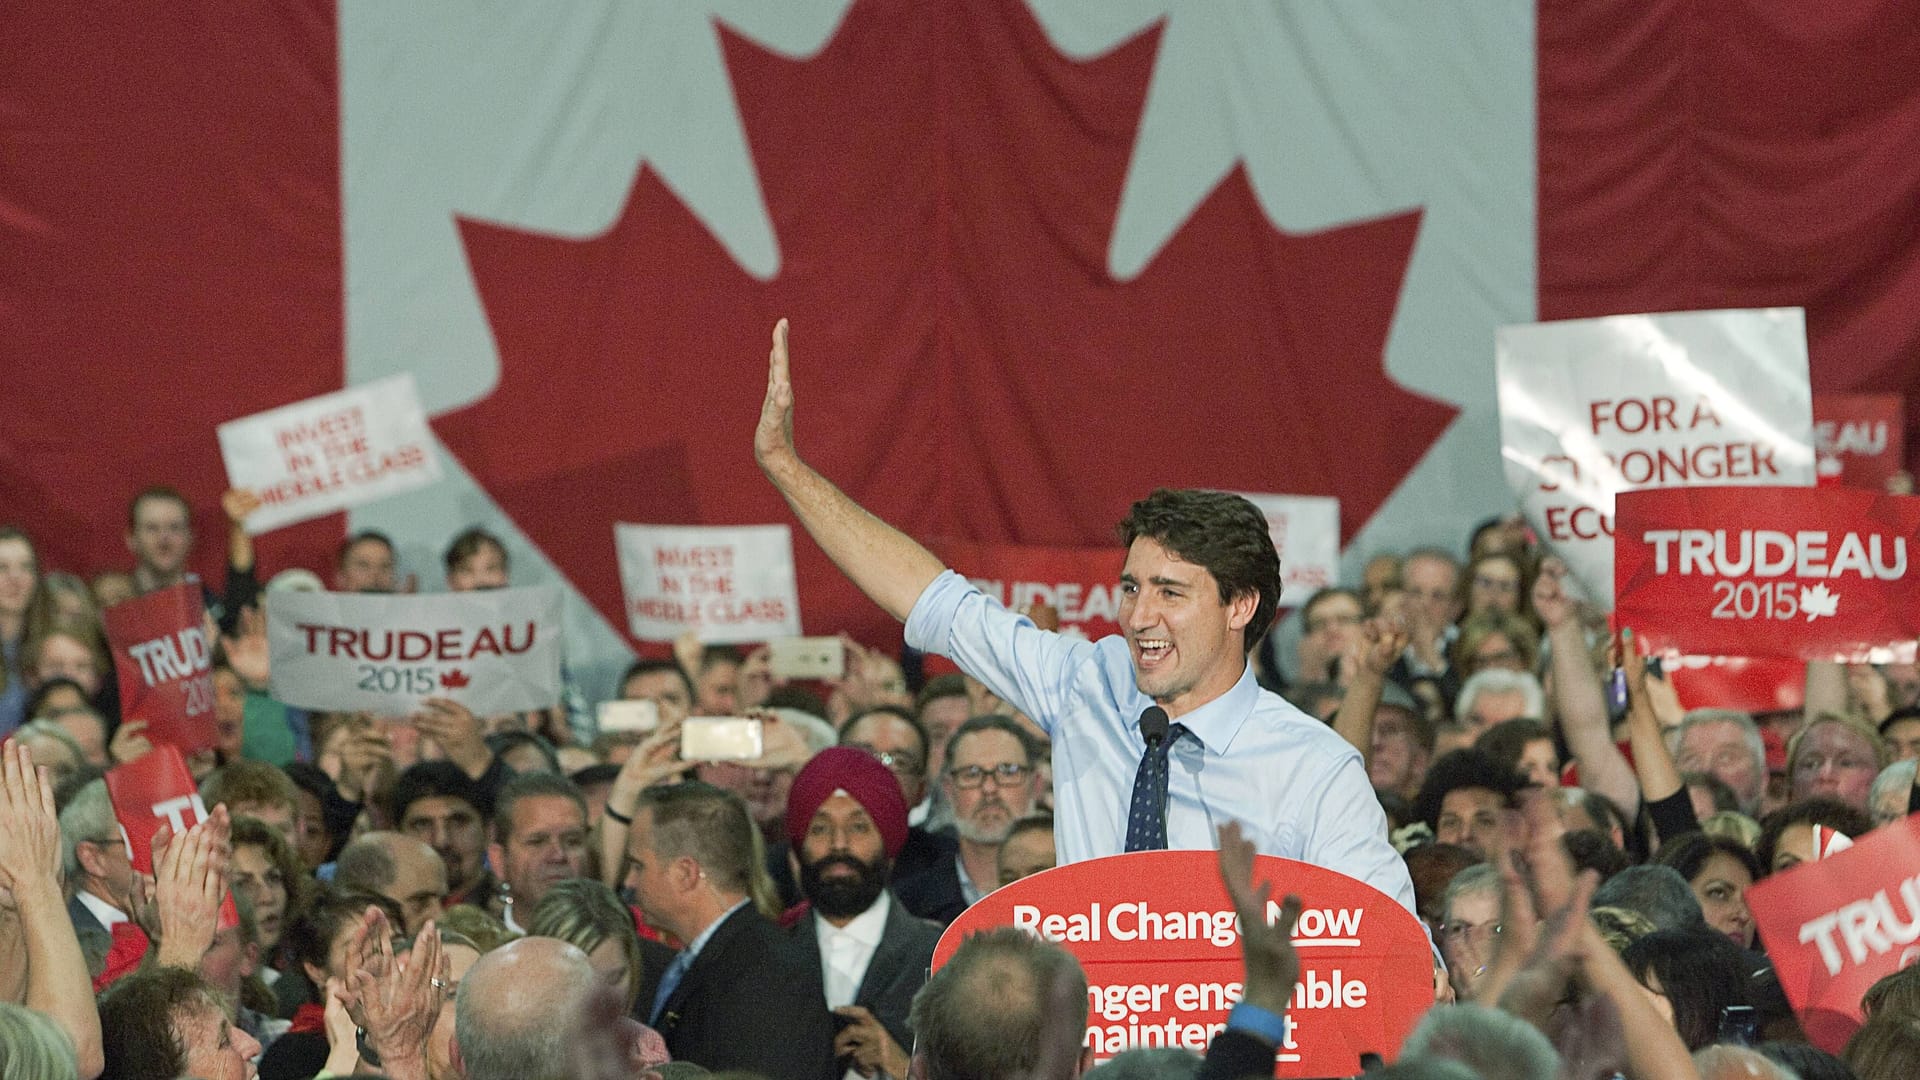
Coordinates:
(991, 783)
(846, 821)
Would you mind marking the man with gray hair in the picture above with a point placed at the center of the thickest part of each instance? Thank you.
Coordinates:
(93, 853)
(522, 1012)
(1658, 892)
(1007, 1005)
(1497, 695)
(1494, 1044)
(1725, 744)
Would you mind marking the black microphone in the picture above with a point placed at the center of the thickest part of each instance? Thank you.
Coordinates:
(1153, 725)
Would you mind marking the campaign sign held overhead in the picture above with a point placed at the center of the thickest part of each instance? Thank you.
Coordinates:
(1808, 573)
(327, 453)
(494, 651)
(165, 662)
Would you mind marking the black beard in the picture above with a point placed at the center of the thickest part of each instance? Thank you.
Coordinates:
(843, 898)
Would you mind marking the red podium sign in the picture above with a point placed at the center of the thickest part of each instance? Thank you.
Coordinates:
(1158, 938)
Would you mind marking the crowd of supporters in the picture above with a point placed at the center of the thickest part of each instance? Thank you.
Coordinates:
(449, 895)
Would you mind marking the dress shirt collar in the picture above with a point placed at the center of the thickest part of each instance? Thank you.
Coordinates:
(108, 915)
(1218, 721)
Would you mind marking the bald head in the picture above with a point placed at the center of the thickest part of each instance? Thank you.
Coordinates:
(1006, 1005)
(519, 1012)
(397, 866)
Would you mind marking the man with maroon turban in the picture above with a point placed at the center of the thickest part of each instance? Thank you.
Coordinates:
(846, 821)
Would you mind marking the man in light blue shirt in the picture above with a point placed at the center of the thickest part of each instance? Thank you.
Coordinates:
(1201, 584)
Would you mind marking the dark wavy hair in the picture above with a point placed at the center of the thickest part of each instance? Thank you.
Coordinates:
(1220, 531)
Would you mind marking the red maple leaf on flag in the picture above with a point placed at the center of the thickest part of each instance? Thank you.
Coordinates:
(454, 679)
(964, 365)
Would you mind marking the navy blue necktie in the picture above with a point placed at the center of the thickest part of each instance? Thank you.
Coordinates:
(1147, 818)
(669, 981)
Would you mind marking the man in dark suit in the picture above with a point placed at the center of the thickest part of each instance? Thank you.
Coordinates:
(991, 783)
(741, 995)
(97, 869)
(846, 821)
(892, 735)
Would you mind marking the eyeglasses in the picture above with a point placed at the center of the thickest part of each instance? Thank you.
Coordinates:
(1477, 934)
(973, 776)
(896, 760)
(1495, 585)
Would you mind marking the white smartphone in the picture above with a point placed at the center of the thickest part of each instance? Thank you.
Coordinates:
(807, 658)
(619, 716)
(721, 738)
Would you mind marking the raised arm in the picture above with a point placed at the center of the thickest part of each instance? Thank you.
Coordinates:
(56, 983)
(1582, 703)
(1370, 658)
(884, 562)
(1652, 761)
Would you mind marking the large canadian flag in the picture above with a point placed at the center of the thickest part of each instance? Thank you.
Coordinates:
(1041, 256)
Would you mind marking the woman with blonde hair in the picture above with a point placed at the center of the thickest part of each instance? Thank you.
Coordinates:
(587, 915)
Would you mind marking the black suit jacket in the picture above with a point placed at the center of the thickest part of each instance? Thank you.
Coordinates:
(897, 971)
(95, 939)
(751, 1001)
(922, 851)
(934, 893)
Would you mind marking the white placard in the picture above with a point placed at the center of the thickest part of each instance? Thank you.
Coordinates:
(1306, 533)
(327, 453)
(730, 583)
(494, 650)
(1593, 407)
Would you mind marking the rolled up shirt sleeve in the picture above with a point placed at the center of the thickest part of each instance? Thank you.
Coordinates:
(1032, 669)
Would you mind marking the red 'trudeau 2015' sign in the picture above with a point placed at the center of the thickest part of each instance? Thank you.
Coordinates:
(1160, 943)
(1811, 573)
(165, 660)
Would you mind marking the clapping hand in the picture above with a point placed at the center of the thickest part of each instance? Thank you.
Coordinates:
(190, 881)
(29, 827)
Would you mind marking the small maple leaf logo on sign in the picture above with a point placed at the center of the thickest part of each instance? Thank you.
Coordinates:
(454, 678)
(1818, 600)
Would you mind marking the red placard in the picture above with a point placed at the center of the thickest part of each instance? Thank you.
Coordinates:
(1750, 684)
(160, 647)
(1082, 584)
(154, 790)
(1809, 573)
(1836, 926)
(1158, 938)
(1859, 438)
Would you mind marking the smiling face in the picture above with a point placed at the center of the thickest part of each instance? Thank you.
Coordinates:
(1186, 644)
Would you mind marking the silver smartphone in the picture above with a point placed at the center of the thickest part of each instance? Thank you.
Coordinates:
(807, 658)
(721, 738)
